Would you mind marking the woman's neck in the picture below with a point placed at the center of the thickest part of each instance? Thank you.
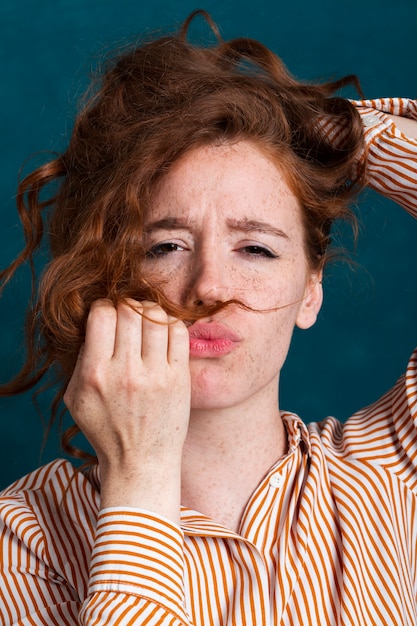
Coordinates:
(226, 455)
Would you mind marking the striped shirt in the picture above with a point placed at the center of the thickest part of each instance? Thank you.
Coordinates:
(328, 537)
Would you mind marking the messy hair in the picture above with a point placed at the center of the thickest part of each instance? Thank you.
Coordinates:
(152, 104)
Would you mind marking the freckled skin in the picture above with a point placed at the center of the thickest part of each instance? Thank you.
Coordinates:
(223, 225)
(208, 187)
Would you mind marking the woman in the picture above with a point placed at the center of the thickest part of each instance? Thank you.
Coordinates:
(188, 237)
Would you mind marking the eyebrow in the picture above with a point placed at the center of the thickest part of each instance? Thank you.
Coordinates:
(244, 225)
(168, 223)
(255, 226)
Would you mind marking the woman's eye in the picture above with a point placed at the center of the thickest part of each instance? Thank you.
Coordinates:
(259, 251)
(162, 249)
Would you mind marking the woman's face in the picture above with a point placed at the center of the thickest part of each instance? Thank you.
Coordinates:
(225, 225)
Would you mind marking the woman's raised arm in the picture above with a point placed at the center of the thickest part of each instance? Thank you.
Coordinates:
(391, 154)
(406, 125)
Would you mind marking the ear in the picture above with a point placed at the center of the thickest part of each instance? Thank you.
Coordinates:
(311, 303)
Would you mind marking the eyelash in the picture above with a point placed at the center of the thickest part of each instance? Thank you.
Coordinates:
(259, 251)
(160, 250)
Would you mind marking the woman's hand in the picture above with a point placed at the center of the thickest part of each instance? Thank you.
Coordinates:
(130, 395)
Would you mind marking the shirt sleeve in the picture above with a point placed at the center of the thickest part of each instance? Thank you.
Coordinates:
(390, 156)
(31, 590)
(56, 569)
(391, 169)
(137, 571)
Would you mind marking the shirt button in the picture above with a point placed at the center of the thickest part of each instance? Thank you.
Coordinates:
(370, 120)
(276, 481)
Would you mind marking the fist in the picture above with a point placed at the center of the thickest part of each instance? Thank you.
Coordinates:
(130, 390)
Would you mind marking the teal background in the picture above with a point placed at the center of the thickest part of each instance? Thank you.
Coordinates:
(366, 329)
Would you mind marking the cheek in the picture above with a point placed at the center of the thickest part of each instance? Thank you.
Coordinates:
(261, 288)
(170, 280)
(279, 293)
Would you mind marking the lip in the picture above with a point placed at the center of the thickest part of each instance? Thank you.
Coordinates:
(211, 340)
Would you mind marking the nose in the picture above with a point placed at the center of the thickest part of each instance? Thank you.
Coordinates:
(208, 277)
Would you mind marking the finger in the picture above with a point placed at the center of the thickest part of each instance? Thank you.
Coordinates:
(100, 332)
(128, 339)
(178, 342)
(154, 334)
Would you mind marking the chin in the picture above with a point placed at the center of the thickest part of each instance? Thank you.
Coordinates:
(200, 405)
(210, 386)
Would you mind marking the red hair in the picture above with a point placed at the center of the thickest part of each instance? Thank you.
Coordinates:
(152, 104)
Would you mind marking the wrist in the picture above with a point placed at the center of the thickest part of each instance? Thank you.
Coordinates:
(154, 488)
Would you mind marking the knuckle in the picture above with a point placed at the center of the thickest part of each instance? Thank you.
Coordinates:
(129, 307)
(68, 398)
(129, 385)
(102, 311)
(92, 378)
(154, 313)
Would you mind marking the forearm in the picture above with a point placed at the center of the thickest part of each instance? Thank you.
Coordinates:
(390, 130)
(406, 125)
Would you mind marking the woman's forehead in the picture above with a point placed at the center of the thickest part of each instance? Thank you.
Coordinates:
(238, 180)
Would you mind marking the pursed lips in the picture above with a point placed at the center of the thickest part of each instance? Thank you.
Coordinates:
(211, 339)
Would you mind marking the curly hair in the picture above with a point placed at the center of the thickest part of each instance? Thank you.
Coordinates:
(152, 104)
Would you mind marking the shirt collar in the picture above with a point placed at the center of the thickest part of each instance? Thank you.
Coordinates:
(297, 432)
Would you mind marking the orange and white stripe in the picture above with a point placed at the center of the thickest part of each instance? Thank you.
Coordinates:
(329, 536)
